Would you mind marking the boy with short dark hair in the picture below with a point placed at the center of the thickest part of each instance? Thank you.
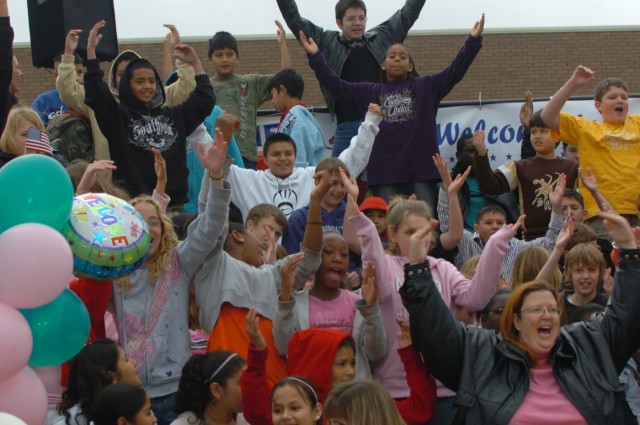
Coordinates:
(48, 104)
(241, 95)
(287, 87)
(283, 184)
(609, 147)
(492, 218)
(267, 223)
(532, 176)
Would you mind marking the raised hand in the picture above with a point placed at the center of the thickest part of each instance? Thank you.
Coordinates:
(516, 226)
(374, 108)
(526, 110)
(288, 275)
(252, 326)
(94, 39)
(419, 243)
(369, 288)
(404, 336)
(478, 27)
(457, 183)
(227, 123)
(619, 228)
(588, 179)
(556, 192)
(349, 184)
(173, 36)
(90, 174)
(443, 170)
(185, 53)
(309, 45)
(582, 75)
(323, 184)
(565, 235)
(478, 142)
(213, 158)
(282, 35)
(71, 42)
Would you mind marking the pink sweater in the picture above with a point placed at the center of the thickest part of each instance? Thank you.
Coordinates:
(473, 294)
(545, 403)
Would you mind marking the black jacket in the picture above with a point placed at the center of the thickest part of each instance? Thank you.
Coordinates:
(491, 376)
(133, 129)
(332, 44)
(7, 100)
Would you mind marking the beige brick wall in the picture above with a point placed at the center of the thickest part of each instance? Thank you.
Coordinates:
(507, 65)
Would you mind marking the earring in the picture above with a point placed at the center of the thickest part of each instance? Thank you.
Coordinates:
(520, 338)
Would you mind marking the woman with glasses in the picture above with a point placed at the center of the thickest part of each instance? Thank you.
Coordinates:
(535, 372)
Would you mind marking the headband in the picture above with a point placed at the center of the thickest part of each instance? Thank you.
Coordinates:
(306, 384)
(224, 363)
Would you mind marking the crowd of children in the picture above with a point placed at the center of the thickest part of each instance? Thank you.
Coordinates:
(292, 286)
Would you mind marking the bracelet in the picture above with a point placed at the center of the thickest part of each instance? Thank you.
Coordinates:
(201, 73)
(214, 179)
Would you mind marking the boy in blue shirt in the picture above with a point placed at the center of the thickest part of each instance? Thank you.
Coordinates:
(287, 87)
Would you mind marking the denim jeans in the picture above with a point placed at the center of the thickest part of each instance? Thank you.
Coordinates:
(164, 408)
(344, 133)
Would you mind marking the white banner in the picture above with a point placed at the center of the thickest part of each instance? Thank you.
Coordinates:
(500, 121)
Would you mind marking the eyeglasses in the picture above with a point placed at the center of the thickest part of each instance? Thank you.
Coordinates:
(353, 19)
(538, 310)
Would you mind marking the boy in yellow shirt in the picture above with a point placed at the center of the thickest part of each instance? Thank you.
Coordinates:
(611, 148)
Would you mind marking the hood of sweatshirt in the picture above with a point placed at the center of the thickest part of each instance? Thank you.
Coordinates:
(126, 94)
(311, 353)
(127, 55)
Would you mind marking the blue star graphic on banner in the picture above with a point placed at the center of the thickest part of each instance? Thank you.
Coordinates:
(451, 159)
(509, 156)
(492, 157)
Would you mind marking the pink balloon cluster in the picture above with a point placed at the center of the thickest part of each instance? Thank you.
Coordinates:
(36, 265)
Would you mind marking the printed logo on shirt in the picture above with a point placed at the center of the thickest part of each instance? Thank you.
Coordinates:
(57, 113)
(329, 319)
(243, 88)
(152, 132)
(619, 141)
(286, 201)
(542, 186)
(287, 124)
(397, 107)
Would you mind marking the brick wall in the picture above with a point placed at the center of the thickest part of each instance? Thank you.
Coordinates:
(507, 65)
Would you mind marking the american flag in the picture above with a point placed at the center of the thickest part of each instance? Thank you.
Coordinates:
(37, 140)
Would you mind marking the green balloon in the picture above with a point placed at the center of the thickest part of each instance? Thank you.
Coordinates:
(60, 329)
(35, 189)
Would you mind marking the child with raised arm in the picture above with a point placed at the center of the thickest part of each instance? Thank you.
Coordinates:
(241, 95)
(492, 218)
(409, 104)
(139, 122)
(609, 148)
(284, 185)
(532, 176)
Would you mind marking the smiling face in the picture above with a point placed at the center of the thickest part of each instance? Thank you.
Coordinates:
(336, 193)
(585, 280)
(614, 105)
(281, 158)
(353, 24)
(335, 260)
(289, 406)
(266, 228)
(397, 63)
(538, 322)
(143, 84)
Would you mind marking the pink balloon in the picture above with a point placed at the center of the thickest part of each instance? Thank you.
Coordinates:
(36, 263)
(24, 396)
(16, 341)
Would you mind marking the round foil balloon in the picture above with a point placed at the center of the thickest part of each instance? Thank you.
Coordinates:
(108, 237)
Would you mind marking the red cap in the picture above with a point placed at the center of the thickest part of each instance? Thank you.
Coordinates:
(374, 203)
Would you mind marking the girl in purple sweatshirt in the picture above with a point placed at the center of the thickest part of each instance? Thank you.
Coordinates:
(408, 131)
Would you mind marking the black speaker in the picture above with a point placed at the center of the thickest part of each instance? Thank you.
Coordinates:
(51, 20)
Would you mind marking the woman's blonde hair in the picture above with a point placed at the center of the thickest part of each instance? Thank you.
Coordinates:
(7, 140)
(160, 262)
(528, 263)
(468, 269)
(362, 402)
(400, 207)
